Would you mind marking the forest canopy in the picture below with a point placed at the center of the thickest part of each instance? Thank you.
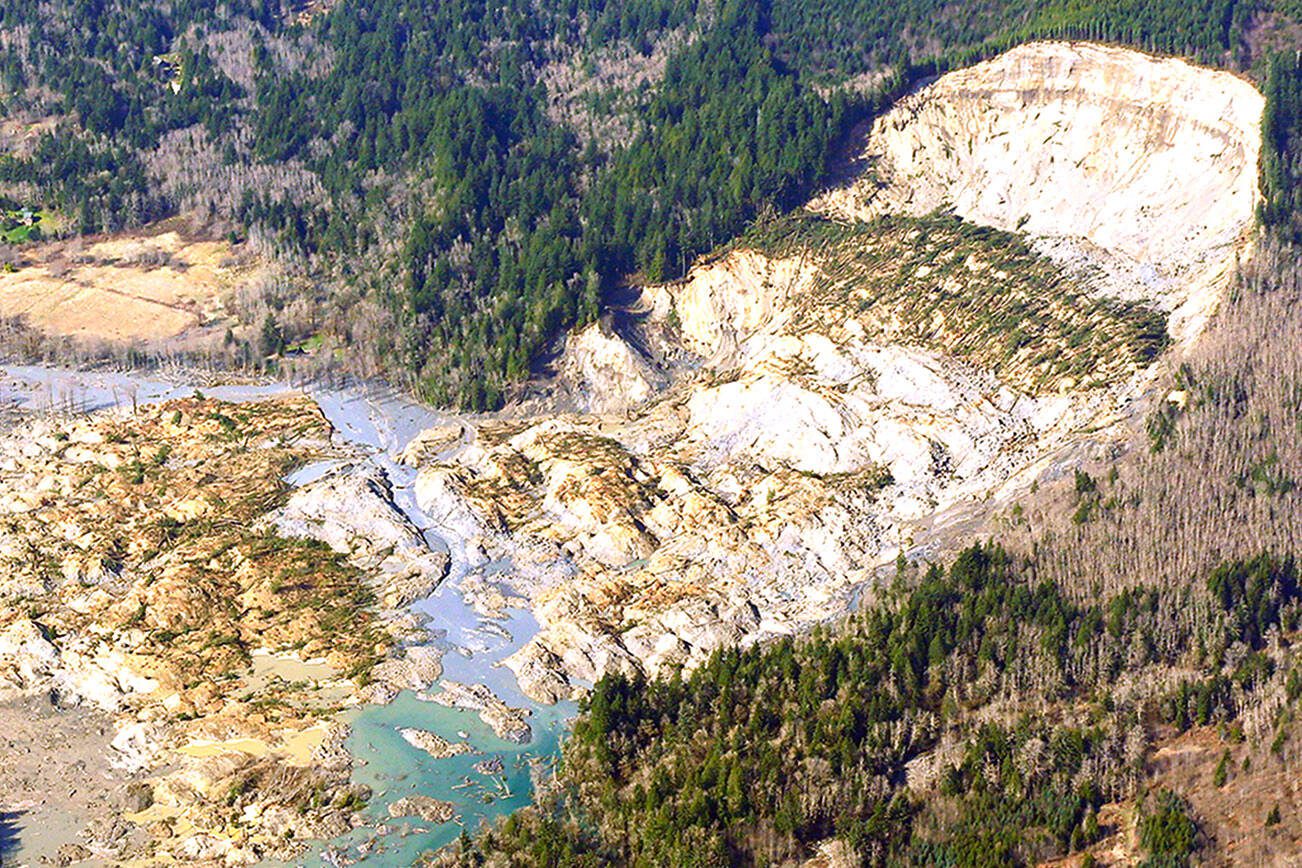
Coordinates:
(452, 183)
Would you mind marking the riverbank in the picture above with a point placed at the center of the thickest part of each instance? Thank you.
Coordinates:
(383, 535)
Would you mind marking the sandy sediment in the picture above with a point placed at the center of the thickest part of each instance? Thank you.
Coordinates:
(755, 441)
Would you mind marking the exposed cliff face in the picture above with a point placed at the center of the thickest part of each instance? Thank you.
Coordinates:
(601, 373)
(1142, 167)
(351, 510)
(848, 372)
(722, 310)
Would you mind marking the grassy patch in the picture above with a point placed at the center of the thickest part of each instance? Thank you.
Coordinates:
(22, 225)
(307, 345)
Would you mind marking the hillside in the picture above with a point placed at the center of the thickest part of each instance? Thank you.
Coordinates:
(1116, 689)
(1120, 689)
(878, 423)
(957, 289)
(976, 718)
(800, 409)
(1041, 142)
(439, 192)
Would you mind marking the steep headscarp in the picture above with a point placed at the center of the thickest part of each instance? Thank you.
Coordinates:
(1143, 167)
(840, 376)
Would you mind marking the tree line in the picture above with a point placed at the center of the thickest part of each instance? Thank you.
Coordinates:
(403, 159)
(973, 716)
(987, 712)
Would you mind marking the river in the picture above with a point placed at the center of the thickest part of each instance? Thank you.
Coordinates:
(378, 423)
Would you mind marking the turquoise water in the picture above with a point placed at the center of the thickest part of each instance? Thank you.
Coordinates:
(381, 422)
(394, 769)
(473, 650)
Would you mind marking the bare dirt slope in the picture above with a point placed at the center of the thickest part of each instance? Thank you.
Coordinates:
(1145, 168)
(762, 434)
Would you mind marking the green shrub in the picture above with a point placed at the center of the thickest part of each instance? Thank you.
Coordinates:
(1167, 832)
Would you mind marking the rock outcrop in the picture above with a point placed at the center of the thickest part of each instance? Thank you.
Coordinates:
(434, 744)
(601, 373)
(426, 808)
(509, 723)
(416, 668)
(351, 509)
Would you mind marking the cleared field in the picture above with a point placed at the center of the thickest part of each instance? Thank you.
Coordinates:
(139, 288)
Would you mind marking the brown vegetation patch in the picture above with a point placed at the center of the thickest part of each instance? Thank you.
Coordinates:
(18, 136)
(1215, 474)
(160, 510)
(1233, 813)
(133, 288)
(968, 291)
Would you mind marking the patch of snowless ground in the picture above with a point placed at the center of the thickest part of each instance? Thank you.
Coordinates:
(1141, 170)
(378, 422)
(1137, 173)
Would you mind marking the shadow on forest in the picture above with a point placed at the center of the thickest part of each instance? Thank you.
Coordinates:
(9, 828)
